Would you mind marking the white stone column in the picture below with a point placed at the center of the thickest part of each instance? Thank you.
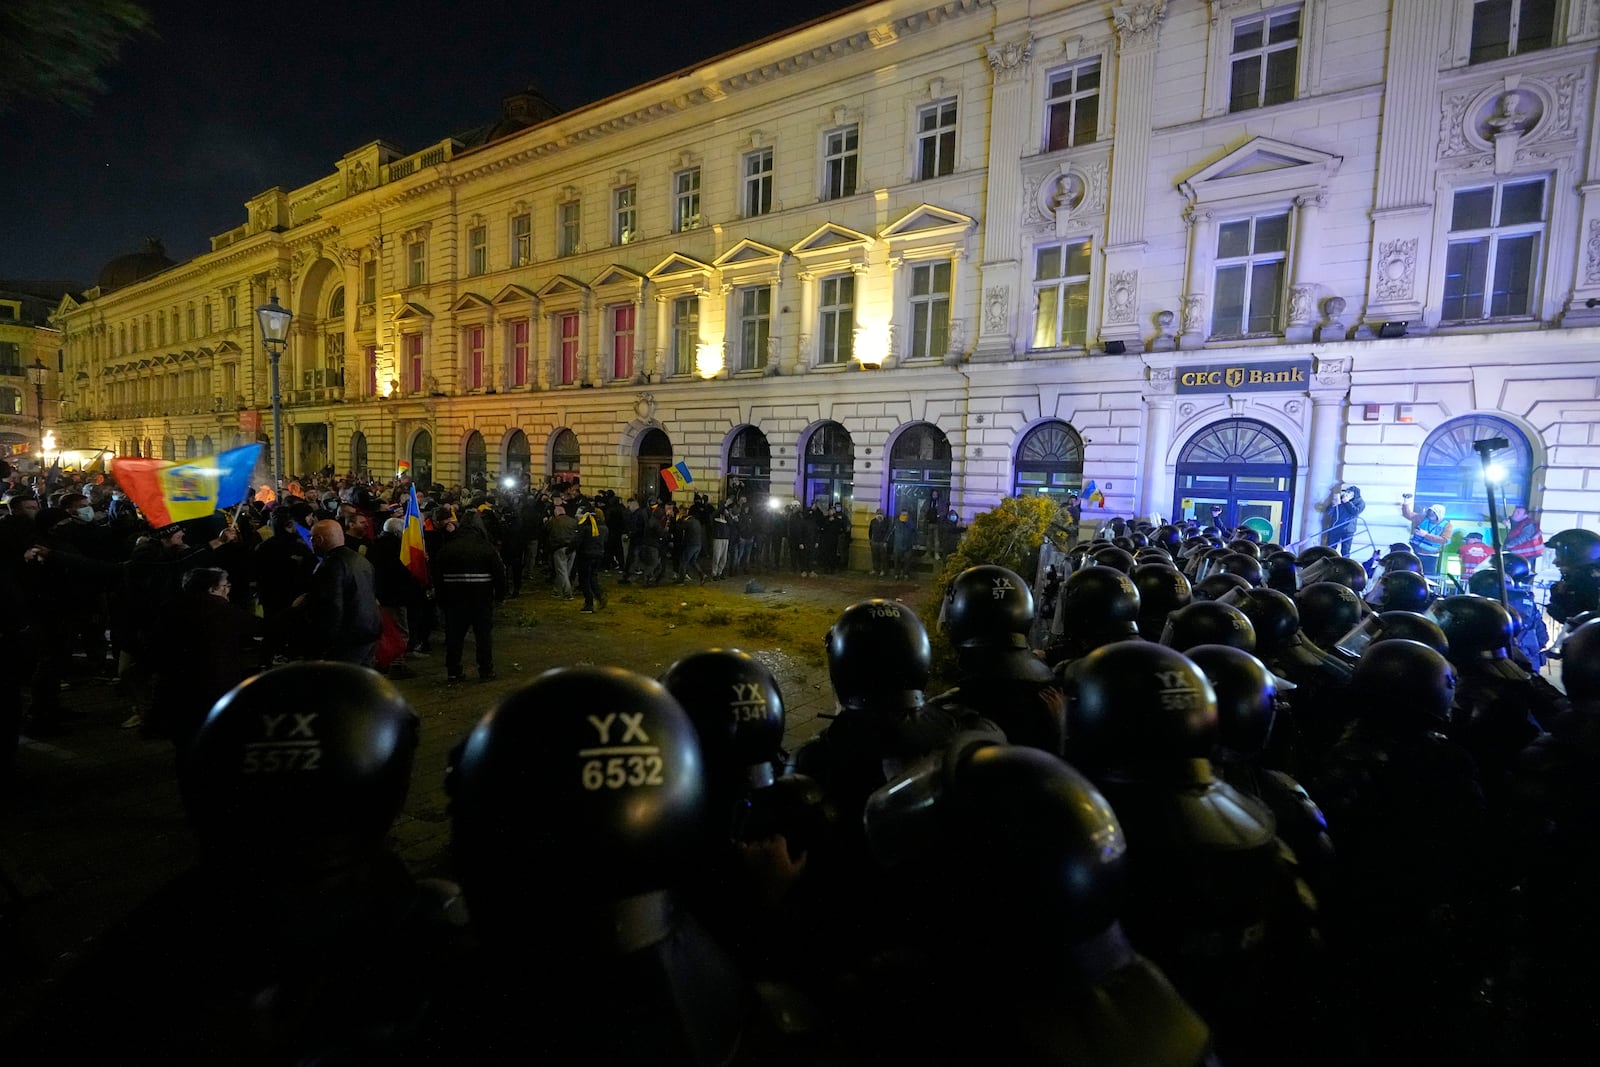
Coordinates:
(1001, 271)
(805, 336)
(1155, 441)
(1138, 34)
(1192, 325)
(1330, 392)
(1303, 288)
(354, 384)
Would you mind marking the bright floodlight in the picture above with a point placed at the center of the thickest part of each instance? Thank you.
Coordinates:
(1496, 473)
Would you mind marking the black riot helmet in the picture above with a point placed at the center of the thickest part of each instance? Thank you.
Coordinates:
(1115, 557)
(1475, 626)
(1272, 614)
(1580, 661)
(1485, 581)
(1206, 564)
(1245, 547)
(1328, 611)
(1516, 568)
(988, 607)
(1152, 554)
(290, 785)
(591, 775)
(1168, 537)
(1403, 682)
(878, 653)
(737, 710)
(1347, 572)
(1308, 556)
(1573, 548)
(1403, 591)
(1126, 543)
(1401, 561)
(1245, 566)
(1246, 696)
(1136, 701)
(1217, 586)
(1283, 573)
(1162, 589)
(1410, 626)
(1099, 601)
(1208, 622)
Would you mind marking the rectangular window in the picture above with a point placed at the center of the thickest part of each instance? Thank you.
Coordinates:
(1265, 53)
(840, 162)
(519, 352)
(230, 382)
(567, 228)
(837, 304)
(413, 363)
(624, 214)
(936, 140)
(1072, 106)
(1492, 263)
(1503, 28)
(622, 340)
(233, 311)
(686, 199)
(10, 358)
(1250, 263)
(416, 263)
(755, 326)
(758, 183)
(161, 327)
(685, 333)
(930, 310)
(475, 335)
(210, 325)
(189, 317)
(521, 240)
(1061, 295)
(369, 282)
(369, 370)
(567, 327)
(478, 250)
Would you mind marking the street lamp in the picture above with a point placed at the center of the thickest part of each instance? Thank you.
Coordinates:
(37, 375)
(274, 320)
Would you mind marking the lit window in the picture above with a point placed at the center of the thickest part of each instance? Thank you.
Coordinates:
(567, 227)
(622, 338)
(1250, 276)
(685, 333)
(1265, 52)
(837, 304)
(755, 326)
(840, 162)
(519, 352)
(208, 319)
(567, 328)
(1072, 107)
(413, 363)
(758, 182)
(475, 335)
(1061, 295)
(369, 282)
(233, 311)
(1503, 28)
(1492, 263)
(624, 214)
(930, 310)
(686, 199)
(369, 365)
(936, 140)
(336, 304)
(190, 318)
(417, 263)
(478, 250)
(521, 240)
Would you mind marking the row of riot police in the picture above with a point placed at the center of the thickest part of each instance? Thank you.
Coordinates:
(1285, 825)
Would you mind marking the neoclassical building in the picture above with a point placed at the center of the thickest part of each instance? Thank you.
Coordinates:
(1196, 251)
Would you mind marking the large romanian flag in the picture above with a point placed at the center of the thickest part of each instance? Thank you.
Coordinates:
(169, 491)
(677, 476)
(412, 552)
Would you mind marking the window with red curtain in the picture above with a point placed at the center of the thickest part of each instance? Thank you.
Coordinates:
(475, 357)
(519, 352)
(622, 334)
(569, 348)
(369, 364)
(413, 363)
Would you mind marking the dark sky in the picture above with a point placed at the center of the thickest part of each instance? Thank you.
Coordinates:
(211, 110)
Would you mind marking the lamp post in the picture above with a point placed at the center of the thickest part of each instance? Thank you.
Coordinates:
(37, 375)
(1491, 476)
(274, 320)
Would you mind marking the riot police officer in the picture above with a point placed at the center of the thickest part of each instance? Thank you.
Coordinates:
(1209, 622)
(1162, 590)
(1577, 554)
(1098, 606)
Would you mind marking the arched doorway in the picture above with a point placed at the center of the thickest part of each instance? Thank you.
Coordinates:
(358, 454)
(518, 455)
(749, 464)
(655, 452)
(919, 474)
(476, 465)
(830, 465)
(169, 448)
(1450, 473)
(1049, 461)
(1242, 465)
(422, 459)
(206, 445)
(191, 448)
(313, 446)
(566, 458)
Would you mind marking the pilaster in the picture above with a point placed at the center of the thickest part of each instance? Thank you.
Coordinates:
(1330, 392)
(1008, 120)
(1155, 477)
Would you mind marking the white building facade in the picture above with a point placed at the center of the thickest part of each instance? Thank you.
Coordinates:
(927, 255)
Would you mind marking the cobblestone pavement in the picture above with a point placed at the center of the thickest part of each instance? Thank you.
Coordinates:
(93, 823)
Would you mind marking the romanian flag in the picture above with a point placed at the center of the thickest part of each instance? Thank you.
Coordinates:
(412, 552)
(168, 491)
(677, 476)
(1093, 495)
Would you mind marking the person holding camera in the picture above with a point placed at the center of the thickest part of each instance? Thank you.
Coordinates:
(1340, 518)
(1430, 532)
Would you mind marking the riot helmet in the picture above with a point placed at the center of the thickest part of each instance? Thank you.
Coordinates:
(737, 710)
(1136, 701)
(1209, 623)
(1411, 626)
(1308, 556)
(1100, 601)
(1246, 696)
(1401, 561)
(988, 607)
(1245, 566)
(1402, 591)
(1485, 581)
(1168, 537)
(1245, 547)
(1162, 589)
(1272, 614)
(1475, 626)
(1152, 554)
(1283, 573)
(878, 652)
(1403, 681)
(1328, 611)
(1580, 661)
(1574, 548)
(1125, 543)
(1115, 557)
(1218, 586)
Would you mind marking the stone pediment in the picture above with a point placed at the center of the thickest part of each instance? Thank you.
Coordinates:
(614, 274)
(831, 237)
(228, 348)
(678, 263)
(513, 294)
(561, 285)
(411, 310)
(928, 220)
(1261, 166)
(748, 253)
(471, 302)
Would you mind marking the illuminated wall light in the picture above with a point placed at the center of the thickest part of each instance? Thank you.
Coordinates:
(872, 344)
(708, 361)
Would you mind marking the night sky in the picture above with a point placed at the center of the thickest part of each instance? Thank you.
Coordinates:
(227, 100)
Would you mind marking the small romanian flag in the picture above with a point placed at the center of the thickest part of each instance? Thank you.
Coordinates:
(677, 476)
(412, 553)
(168, 491)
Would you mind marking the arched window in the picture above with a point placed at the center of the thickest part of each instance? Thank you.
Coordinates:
(358, 454)
(336, 304)
(830, 465)
(477, 462)
(655, 452)
(1049, 461)
(191, 448)
(1450, 473)
(566, 458)
(422, 459)
(206, 445)
(518, 454)
(169, 448)
(1242, 466)
(919, 475)
(749, 464)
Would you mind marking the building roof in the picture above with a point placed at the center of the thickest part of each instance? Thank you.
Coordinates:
(135, 266)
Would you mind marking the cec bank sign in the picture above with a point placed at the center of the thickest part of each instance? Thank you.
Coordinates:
(1281, 376)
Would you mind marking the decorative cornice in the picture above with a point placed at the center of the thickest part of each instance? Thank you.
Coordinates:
(1139, 24)
(1009, 61)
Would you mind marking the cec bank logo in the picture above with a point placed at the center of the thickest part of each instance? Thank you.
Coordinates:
(1234, 376)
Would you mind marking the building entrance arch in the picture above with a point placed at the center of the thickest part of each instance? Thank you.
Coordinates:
(1246, 468)
(655, 452)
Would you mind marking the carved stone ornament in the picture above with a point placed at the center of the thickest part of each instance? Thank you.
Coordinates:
(358, 178)
(1332, 371)
(1194, 314)
(1300, 305)
(644, 406)
(1165, 320)
(350, 257)
(1139, 24)
(1397, 269)
(1162, 375)
(1122, 296)
(996, 304)
(1009, 61)
(1591, 261)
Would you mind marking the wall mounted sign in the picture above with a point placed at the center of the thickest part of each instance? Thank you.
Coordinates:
(1288, 375)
